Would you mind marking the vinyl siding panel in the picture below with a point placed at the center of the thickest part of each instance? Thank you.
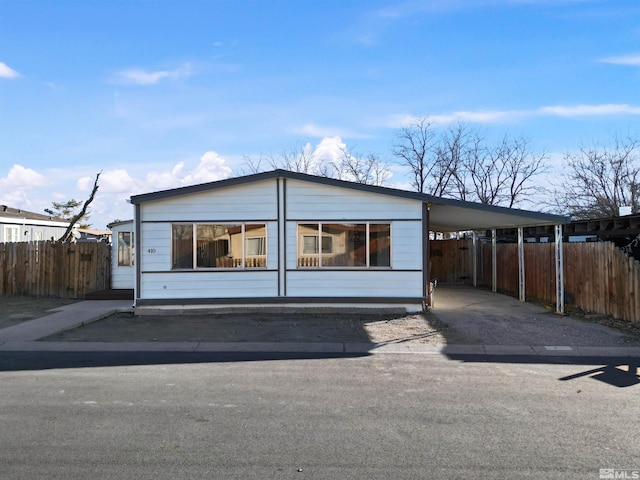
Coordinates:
(245, 202)
(155, 247)
(406, 245)
(306, 201)
(357, 283)
(33, 232)
(246, 283)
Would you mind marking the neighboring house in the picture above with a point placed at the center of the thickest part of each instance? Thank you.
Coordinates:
(21, 226)
(122, 258)
(90, 235)
(285, 238)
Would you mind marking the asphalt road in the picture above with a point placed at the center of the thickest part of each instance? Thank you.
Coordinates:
(251, 416)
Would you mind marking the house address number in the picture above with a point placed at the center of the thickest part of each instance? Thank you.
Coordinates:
(151, 250)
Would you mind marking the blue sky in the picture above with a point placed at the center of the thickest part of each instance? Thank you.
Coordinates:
(160, 94)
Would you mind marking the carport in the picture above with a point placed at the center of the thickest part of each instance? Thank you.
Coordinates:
(449, 216)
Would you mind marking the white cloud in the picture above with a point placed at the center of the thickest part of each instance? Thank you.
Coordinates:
(115, 185)
(312, 130)
(138, 76)
(211, 168)
(630, 60)
(328, 151)
(165, 179)
(7, 72)
(589, 110)
(110, 181)
(489, 116)
(21, 177)
(15, 199)
(496, 116)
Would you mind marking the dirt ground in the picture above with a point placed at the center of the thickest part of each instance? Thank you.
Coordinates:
(265, 327)
(14, 310)
(476, 323)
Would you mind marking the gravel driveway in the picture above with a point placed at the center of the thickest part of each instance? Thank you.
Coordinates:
(489, 318)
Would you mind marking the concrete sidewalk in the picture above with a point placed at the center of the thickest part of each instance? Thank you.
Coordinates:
(23, 338)
(65, 318)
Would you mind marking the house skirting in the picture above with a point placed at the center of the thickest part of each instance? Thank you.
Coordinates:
(279, 304)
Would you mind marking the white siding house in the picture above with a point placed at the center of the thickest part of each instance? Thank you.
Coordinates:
(285, 238)
(18, 225)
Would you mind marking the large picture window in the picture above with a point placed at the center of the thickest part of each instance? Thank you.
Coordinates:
(346, 245)
(236, 245)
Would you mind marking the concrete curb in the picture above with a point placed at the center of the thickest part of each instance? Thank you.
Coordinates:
(329, 348)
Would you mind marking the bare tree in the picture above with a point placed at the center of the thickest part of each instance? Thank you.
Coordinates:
(459, 163)
(601, 179)
(357, 168)
(415, 148)
(448, 177)
(296, 158)
(502, 174)
(251, 165)
(521, 165)
(67, 236)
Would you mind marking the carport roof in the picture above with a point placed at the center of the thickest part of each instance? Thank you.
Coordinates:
(446, 215)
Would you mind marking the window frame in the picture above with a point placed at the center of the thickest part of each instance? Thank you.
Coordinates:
(321, 234)
(194, 247)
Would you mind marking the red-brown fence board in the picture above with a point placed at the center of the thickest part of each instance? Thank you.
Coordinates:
(46, 269)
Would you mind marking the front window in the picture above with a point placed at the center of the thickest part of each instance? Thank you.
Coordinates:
(350, 245)
(125, 249)
(234, 245)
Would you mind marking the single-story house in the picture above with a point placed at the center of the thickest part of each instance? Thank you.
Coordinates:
(292, 239)
(21, 226)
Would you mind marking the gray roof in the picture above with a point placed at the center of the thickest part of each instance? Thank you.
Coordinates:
(16, 213)
(446, 214)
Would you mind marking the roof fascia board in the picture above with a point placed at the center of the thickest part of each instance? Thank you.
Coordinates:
(31, 221)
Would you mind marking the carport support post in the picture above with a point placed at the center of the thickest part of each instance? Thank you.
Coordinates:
(521, 285)
(559, 272)
(475, 259)
(494, 262)
(427, 291)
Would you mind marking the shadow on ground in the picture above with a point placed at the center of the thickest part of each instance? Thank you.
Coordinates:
(25, 361)
(615, 371)
(462, 316)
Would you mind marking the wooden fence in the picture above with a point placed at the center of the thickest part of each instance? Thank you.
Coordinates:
(451, 261)
(599, 277)
(46, 269)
